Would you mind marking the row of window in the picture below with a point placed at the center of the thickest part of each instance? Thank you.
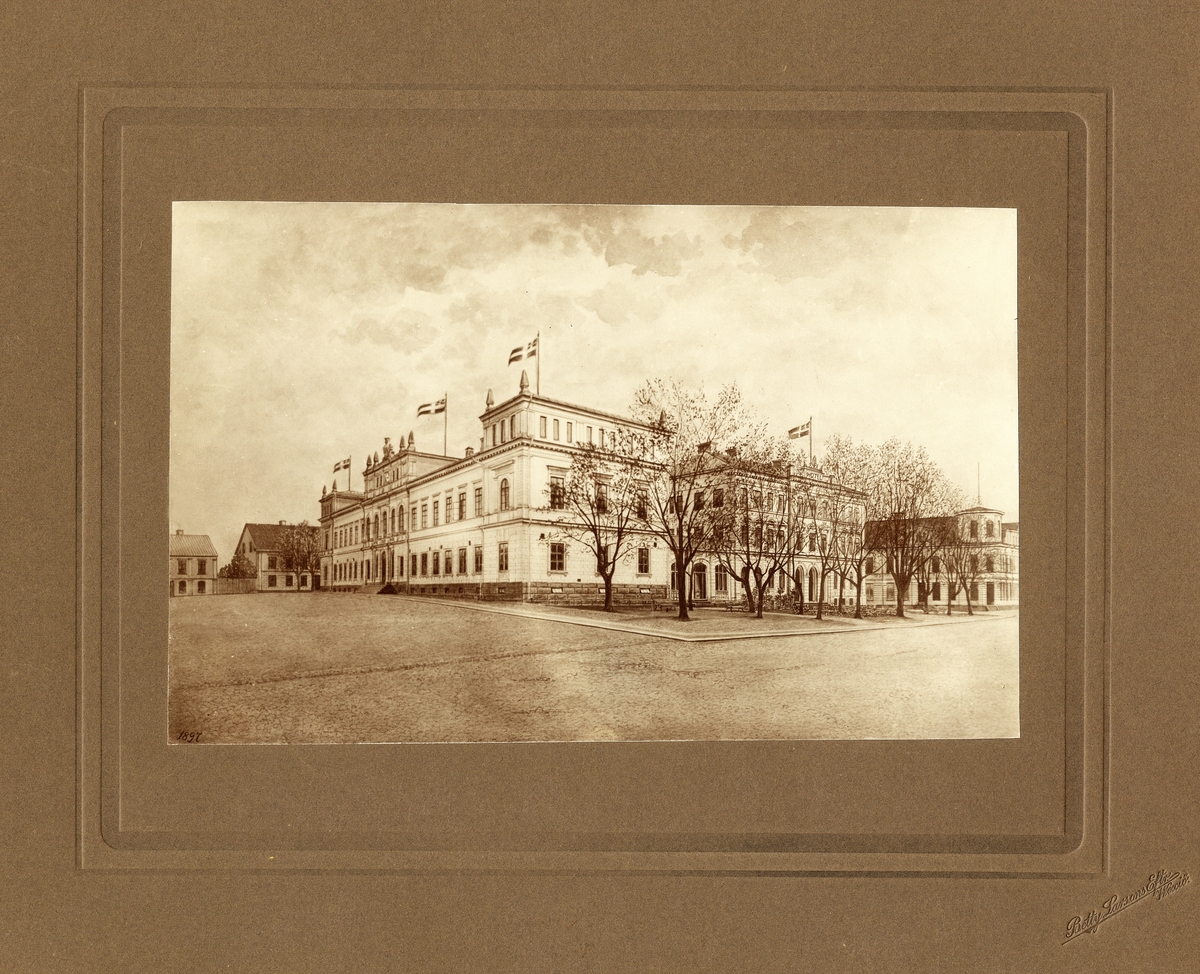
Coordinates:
(181, 566)
(429, 513)
(443, 563)
(552, 428)
(201, 588)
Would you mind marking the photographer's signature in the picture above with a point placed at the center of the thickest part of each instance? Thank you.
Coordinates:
(1159, 886)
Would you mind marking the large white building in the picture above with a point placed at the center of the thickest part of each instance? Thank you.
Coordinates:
(481, 526)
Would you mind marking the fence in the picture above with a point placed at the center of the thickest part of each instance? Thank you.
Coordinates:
(236, 586)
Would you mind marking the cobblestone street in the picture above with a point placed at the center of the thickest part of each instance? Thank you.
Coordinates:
(353, 668)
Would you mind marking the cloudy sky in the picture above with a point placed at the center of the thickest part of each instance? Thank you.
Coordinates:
(302, 333)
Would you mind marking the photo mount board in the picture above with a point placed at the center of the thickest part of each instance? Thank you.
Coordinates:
(1035, 806)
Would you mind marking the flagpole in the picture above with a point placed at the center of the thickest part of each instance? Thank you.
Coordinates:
(810, 439)
(445, 418)
(539, 363)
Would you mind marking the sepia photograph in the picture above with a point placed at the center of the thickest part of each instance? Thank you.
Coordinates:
(539, 472)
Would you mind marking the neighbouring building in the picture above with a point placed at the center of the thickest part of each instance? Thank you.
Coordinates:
(268, 546)
(193, 564)
(993, 547)
(482, 525)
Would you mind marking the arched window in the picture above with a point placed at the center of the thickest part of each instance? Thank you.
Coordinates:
(504, 498)
(987, 529)
(674, 578)
(375, 530)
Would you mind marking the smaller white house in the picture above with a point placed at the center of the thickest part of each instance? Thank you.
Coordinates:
(263, 545)
(193, 564)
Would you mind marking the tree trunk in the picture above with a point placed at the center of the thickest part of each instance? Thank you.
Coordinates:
(681, 591)
(821, 595)
(608, 606)
(758, 608)
(858, 598)
(901, 591)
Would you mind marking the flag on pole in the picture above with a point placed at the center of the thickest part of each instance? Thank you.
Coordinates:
(344, 465)
(798, 431)
(432, 408)
(523, 352)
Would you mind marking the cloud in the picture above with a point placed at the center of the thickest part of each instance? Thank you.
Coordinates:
(402, 332)
(664, 256)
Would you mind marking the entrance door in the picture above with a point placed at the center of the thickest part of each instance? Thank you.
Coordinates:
(991, 593)
(700, 583)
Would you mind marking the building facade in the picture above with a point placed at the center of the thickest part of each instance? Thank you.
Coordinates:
(484, 526)
(993, 547)
(193, 564)
(265, 545)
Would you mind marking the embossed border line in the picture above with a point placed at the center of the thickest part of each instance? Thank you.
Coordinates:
(104, 843)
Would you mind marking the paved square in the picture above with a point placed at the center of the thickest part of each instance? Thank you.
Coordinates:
(309, 668)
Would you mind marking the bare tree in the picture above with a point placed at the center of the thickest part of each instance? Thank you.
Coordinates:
(684, 431)
(239, 567)
(299, 548)
(751, 539)
(963, 556)
(851, 471)
(909, 495)
(598, 503)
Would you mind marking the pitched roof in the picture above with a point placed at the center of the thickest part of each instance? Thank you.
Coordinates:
(268, 537)
(198, 545)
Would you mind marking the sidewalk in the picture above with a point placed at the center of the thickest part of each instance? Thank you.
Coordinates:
(707, 625)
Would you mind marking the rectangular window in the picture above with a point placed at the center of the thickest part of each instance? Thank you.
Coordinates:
(412, 567)
(437, 563)
(600, 438)
(643, 504)
(698, 500)
(271, 562)
(556, 429)
(891, 592)
(589, 434)
(424, 515)
(643, 561)
(870, 593)
(503, 431)
(462, 561)
(601, 498)
(503, 556)
(478, 501)
(288, 579)
(478, 560)
(570, 432)
(424, 562)
(270, 581)
(493, 434)
(937, 591)
(200, 587)
(512, 427)
(462, 506)
(201, 567)
(542, 427)
(182, 587)
(721, 579)
(182, 566)
(435, 514)
(718, 497)
(558, 494)
(558, 556)
(399, 566)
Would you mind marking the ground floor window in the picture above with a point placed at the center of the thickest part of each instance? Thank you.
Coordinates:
(272, 581)
(558, 556)
(424, 563)
(974, 591)
(449, 562)
(937, 591)
(891, 592)
(289, 581)
(503, 556)
(413, 566)
(462, 555)
(400, 567)
(643, 561)
(437, 562)
(183, 588)
(478, 560)
(674, 578)
(870, 593)
(721, 579)
(200, 588)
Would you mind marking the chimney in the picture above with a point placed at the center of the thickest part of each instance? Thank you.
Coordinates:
(281, 522)
(470, 452)
(179, 532)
